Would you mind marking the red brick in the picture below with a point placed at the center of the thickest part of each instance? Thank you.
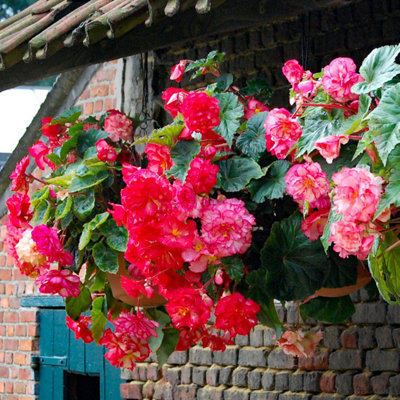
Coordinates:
(112, 89)
(2, 356)
(28, 316)
(319, 362)
(349, 338)
(132, 390)
(2, 330)
(20, 359)
(5, 303)
(33, 330)
(88, 108)
(14, 372)
(17, 276)
(27, 345)
(9, 358)
(2, 387)
(105, 75)
(108, 104)
(1, 316)
(362, 384)
(85, 95)
(5, 274)
(11, 317)
(98, 106)
(99, 91)
(10, 397)
(10, 261)
(2, 288)
(15, 302)
(3, 260)
(10, 289)
(4, 372)
(327, 382)
(10, 344)
(10, 330)
(20, 330)
(9, 387)
(25, 374)
(20, 387)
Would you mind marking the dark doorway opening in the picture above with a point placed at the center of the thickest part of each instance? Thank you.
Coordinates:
(81, 387)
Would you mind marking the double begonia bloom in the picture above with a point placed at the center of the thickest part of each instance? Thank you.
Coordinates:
(202, 175)
(281, 132)
(307, 183)
(19, 179)
(226, 227)
(200, 112)
(339, 77)
(64, 283)
(39, 151)
(236, 314)
(176, 233)
(188, 307)
(105, 152)
(253, 107)
(135, 288)
(178, 70)
(19, 213)
(56, 133)
(136, 324)
(299, 343)
(357, 193)
(81, 328)
(173, 98)
(313, 226)
(159, 158)
(118, 126)
(28, 251)
(351, 239)
(329, 146)
(293, 72)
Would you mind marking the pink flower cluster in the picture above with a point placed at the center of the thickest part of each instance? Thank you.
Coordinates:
(299, 343)
(356, 197)
(119, 126)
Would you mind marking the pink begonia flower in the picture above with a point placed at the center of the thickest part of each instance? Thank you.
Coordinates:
(202, 175)
(159, 158)
(293, 72)
(135, 288)
(307, 183)
(105, 152)
(357, 193)
(178, 70)
(329, 146)
(81, 328)
(339, 77)
(199, 256)
(19, 213)
(19, 179)
(313, 226)
(176, 233)
(39, 151)
(64, 282)
(118, 125)
(281, 132)
(136, 324)
(350, 238)
(299, 343)
(28, 252)
(173, 98)
(253, 107)
(226, 227)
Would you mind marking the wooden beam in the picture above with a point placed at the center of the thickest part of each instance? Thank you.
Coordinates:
(185, 26)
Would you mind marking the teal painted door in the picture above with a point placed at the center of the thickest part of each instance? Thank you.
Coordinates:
(65, 363)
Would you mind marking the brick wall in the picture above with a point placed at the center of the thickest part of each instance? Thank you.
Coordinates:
(356, 360)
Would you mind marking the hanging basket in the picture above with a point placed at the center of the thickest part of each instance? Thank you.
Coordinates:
(120, 294)
(363, 278)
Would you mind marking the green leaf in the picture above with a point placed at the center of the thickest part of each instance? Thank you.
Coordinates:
(252, 142)
(54, 158)
(272, 185)
(42, 213)
(378, 68)
(75, 306)
(105, 258)
(342, 271)
(168, 344)
(182, 154)
(236, 172)
(163, 319)
(68, 116)
(117, 236)
(99, 318)
(230, 113)
(385, 268)
(99, 282)
(163, 136)
(234, 267)
(224, 82)
(333, 217)
(385, 122)
(257, 86)
(93, 177)
(329, 309)
(70, 144)
(269, 317)
(295, 267)
(65, 179)
(318, 124)
(89, 138)
(40, 195)
(391, 195)
(89, 227)
(63, 208)
(84, 204)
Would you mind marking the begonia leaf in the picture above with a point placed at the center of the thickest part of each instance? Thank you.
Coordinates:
(68, 116)
(230, 113)
(295, 267)
(328, 309)
(182, 154)
(75, 306)
(391, 195)
(89, 227)
(168, 344)
(235, 173)
(272, 185)
(318, 124)
(252, 141)
(40, 195)
(66, 221)
(89, 138)
(224, 82)
(84, 204)
(234, 267)
(99, 318)
(93, 177)
(42, 212)
(163, 136)
(385, 122)
(105, 258)
(70, 144)
(378, 68)
(333, 217)
(116, 236)
(163, 319)
(385, 268)
(257, 86)
(342, 271)
(54, 158)
(63, 208)
(65, 179)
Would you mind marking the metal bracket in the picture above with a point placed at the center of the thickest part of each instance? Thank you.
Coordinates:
(43, 360)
